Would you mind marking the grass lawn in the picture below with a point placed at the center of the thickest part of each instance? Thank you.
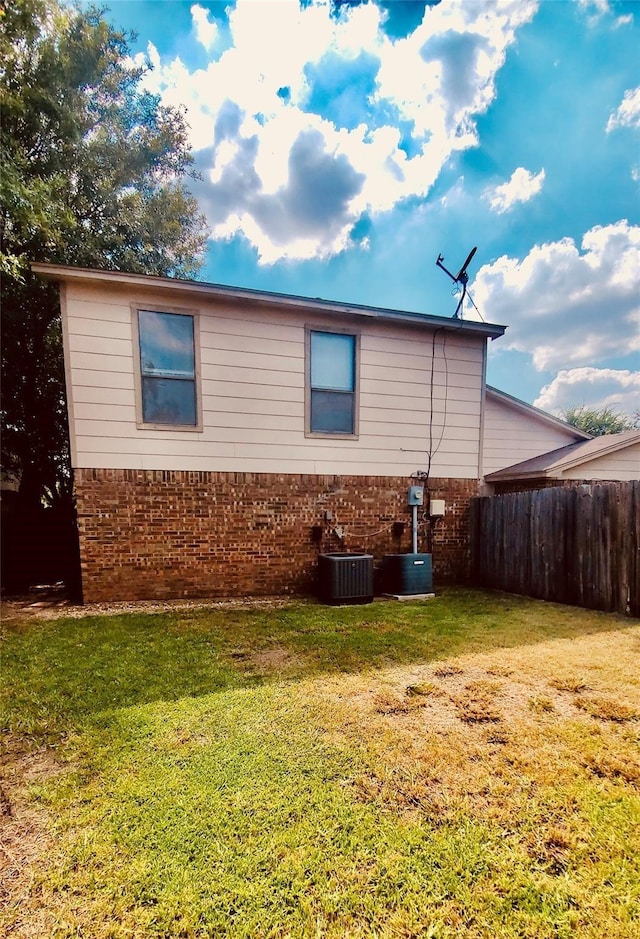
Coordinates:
(463, 767)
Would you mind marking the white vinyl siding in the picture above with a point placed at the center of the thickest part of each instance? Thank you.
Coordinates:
(511, 435)
(252, 371)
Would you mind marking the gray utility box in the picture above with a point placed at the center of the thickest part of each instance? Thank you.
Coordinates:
(407, 574)
(345, 578)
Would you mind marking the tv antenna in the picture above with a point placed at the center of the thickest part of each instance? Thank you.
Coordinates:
(460, 278)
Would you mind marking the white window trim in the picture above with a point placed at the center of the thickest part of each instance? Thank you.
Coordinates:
(334, 330)
(137, 372)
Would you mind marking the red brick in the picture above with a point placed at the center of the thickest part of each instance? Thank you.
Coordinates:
(161, 534)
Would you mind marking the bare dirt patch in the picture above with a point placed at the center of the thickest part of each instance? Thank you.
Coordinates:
(32, 607)
(275, 660)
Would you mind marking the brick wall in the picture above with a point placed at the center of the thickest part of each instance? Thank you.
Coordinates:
(166, 534)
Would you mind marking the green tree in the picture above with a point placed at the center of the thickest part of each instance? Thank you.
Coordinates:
(94, 173)
(599, 421)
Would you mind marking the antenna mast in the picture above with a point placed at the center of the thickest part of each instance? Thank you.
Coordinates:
(460, 278)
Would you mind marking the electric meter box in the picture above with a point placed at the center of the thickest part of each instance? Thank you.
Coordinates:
(416, 495)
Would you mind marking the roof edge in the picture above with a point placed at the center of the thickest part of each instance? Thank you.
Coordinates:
(616, 444)
(59, 272)
(557, 467)
(504, 476)
(538, 413)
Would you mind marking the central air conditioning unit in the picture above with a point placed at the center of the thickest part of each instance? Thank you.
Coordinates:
(345, 578)
(407, 574)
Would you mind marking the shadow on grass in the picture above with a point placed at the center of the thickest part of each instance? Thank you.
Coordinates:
(62, 673)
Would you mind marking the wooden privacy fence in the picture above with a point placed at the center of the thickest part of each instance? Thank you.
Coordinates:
(578, 545)
(39, 546)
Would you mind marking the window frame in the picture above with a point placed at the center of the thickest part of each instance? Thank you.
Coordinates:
(194, 314)
(337, 331)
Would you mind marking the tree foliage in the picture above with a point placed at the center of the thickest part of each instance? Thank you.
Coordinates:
(599, 421)
(94, 173)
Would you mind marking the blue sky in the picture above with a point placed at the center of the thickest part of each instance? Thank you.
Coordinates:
(343, 146)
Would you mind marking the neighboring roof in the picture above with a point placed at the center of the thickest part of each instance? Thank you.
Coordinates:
(59, 272)
(542, 416)
(555, 462)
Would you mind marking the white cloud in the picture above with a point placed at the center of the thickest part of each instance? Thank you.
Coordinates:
(443, 73)
(598, 6)
(250, 113)
(596, 9)
(522, 186)
(627, 114)
(567, 306)
(598, 388)
(206, 31)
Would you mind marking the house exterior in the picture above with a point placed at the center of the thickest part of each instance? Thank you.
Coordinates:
(514, 431)
(221, 438)
(611, 458)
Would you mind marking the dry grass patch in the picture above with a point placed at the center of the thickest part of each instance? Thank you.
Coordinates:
(542, 704)
(477, 703)
(615, 766)
(424, 689)
(25, 837)
(494, 731)
(447, 670)
(415, 696)
(608, 709)
(499, 671)
(570, 684)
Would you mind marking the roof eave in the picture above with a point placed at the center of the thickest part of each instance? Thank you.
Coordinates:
(501, 477)
(538, 413)
(557, 469)
(61, 273)
(614, 446)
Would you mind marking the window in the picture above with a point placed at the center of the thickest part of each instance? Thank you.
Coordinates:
(168, 393)
(331, 383)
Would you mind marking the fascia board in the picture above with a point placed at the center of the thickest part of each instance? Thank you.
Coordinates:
(502, 476)
(239, 294)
